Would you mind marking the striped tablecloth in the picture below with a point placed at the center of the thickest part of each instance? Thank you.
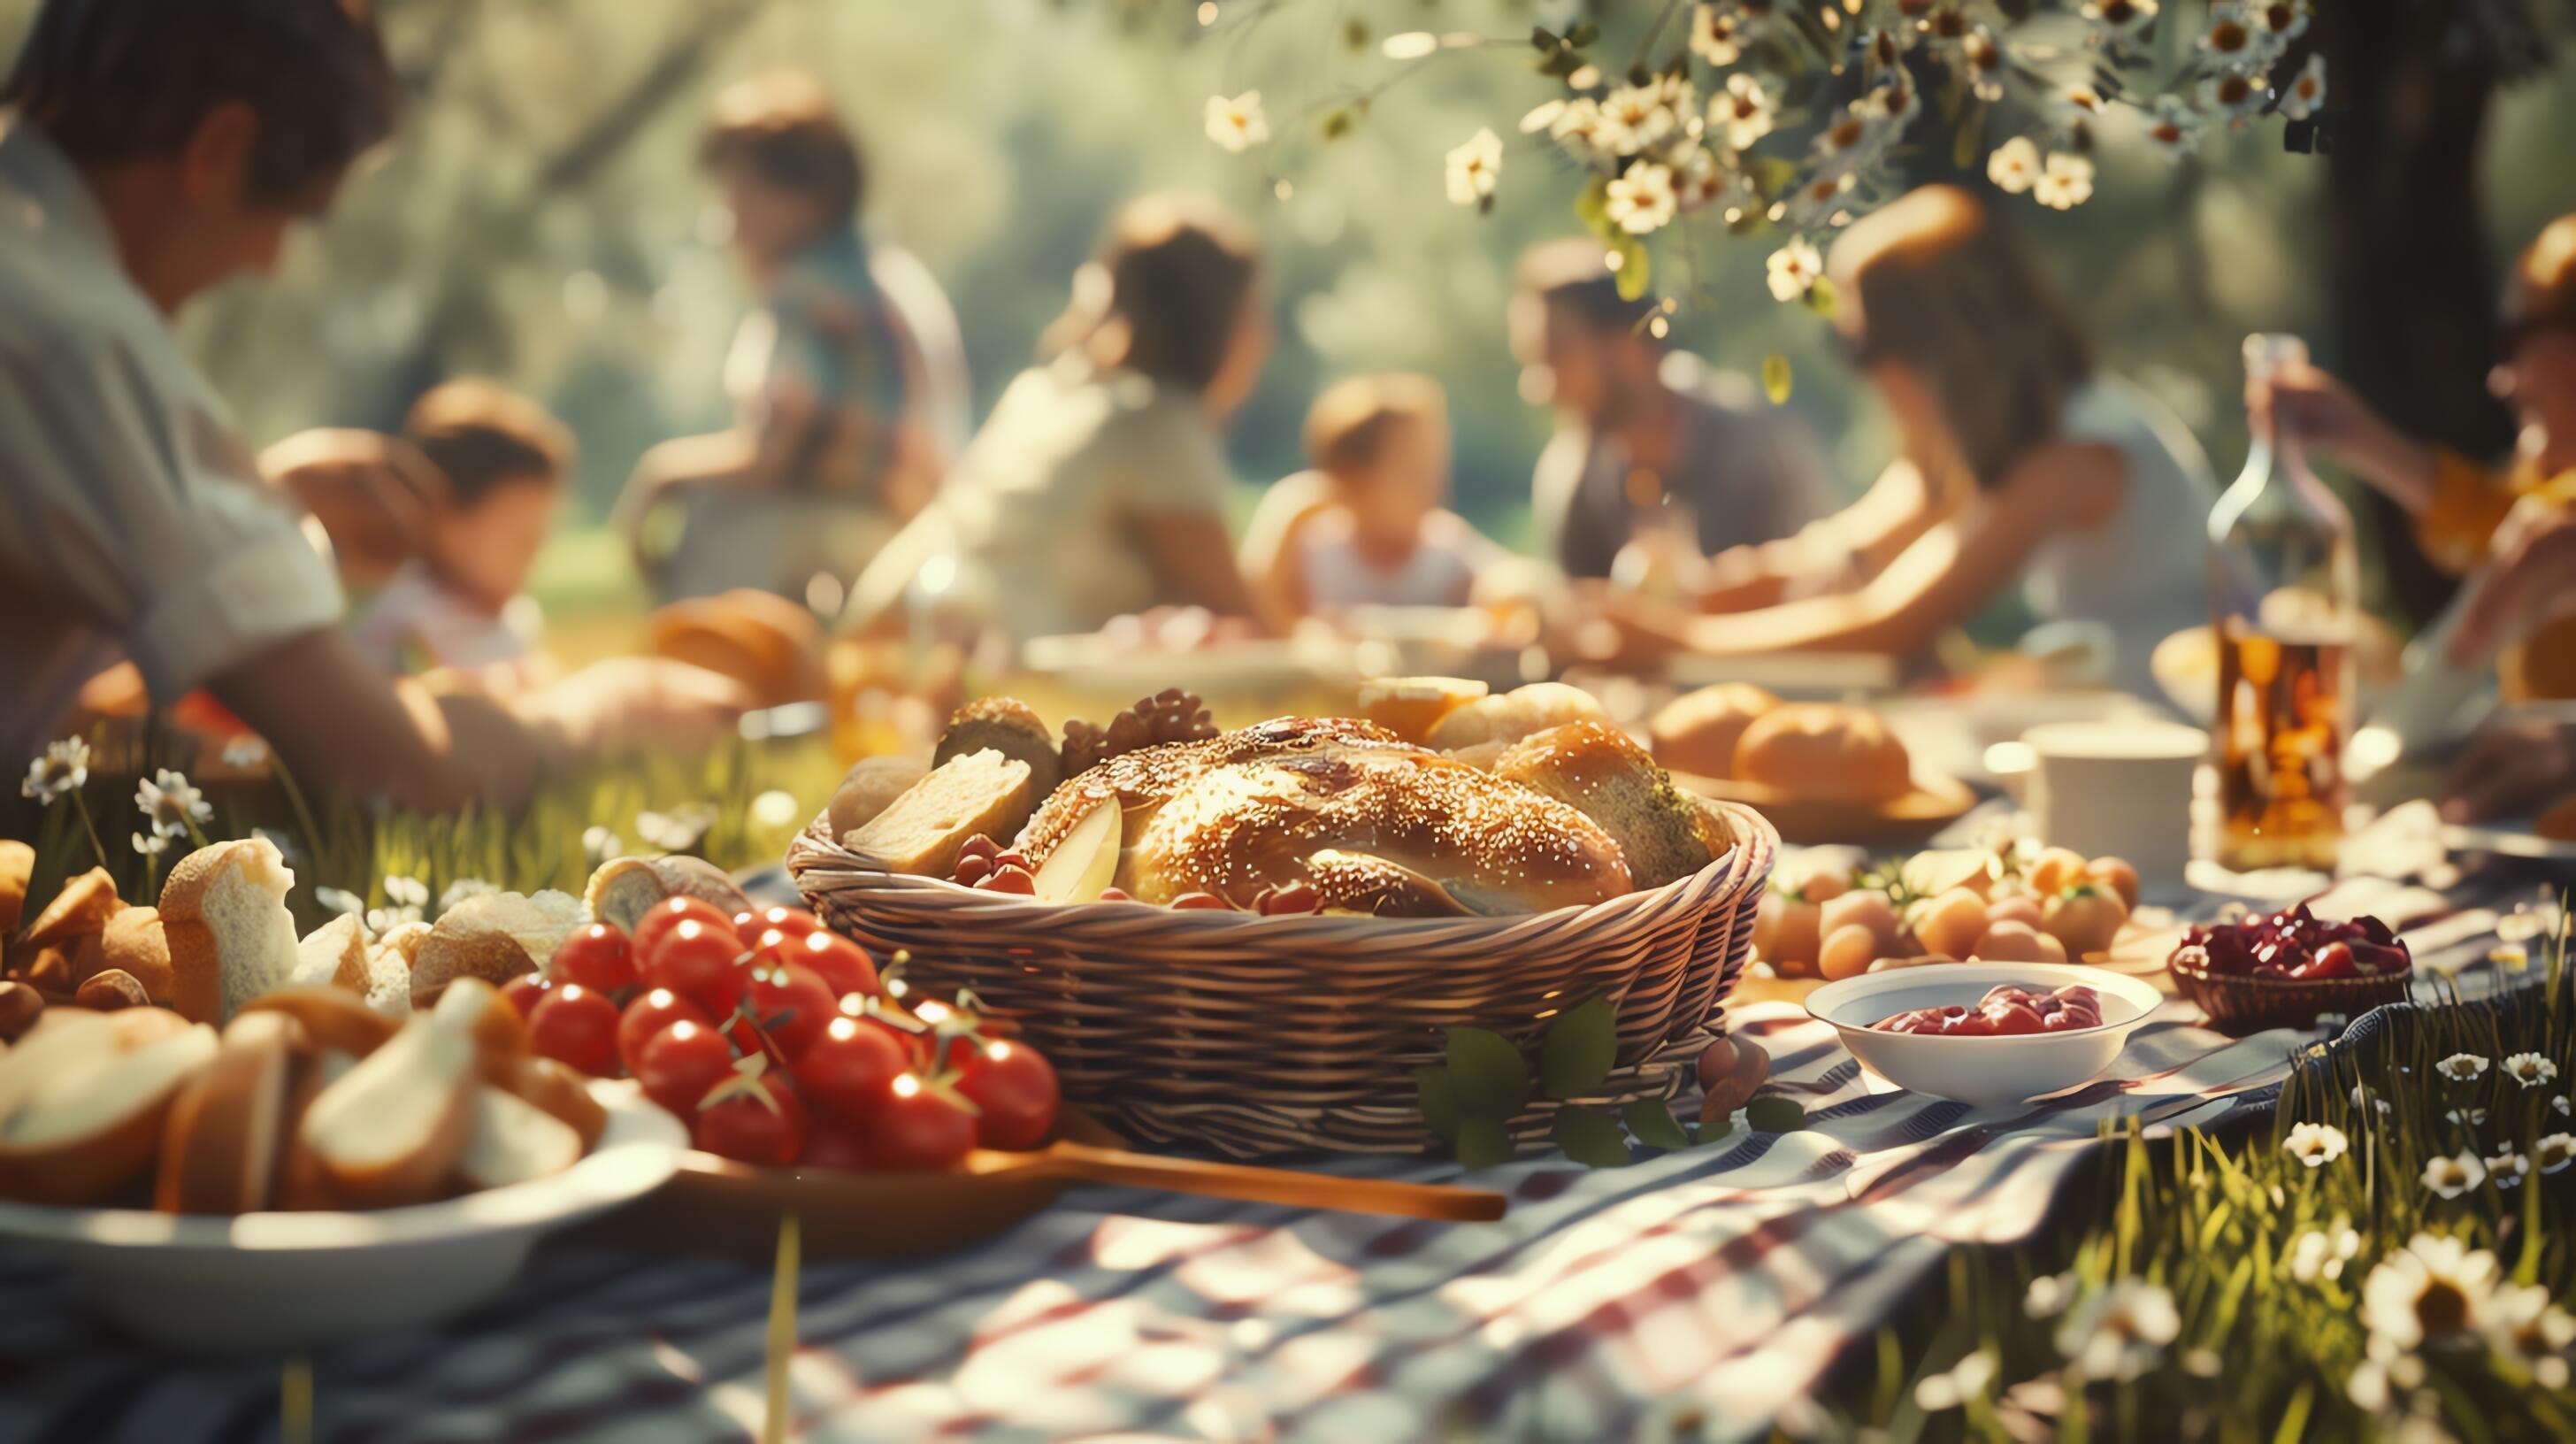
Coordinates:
(1706, 1289)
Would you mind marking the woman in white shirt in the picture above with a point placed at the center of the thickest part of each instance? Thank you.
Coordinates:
(2020, 462)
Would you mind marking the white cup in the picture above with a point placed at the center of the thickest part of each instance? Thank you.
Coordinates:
(2117, 789)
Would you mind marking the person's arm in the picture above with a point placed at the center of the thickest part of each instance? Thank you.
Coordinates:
(1935, 583)
(2330, 420)
(1269, 554)
(343, 727)
(1862, 539)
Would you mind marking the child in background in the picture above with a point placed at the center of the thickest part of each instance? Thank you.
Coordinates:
(1367, 526)
(459, 605)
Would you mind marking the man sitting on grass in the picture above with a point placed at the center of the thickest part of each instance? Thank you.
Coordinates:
(150, 149)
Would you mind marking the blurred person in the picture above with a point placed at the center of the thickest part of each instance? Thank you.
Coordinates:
(2468, 515)
(848, 382)
(461, 604)
(150, 149)
(2021, 462)
(1367, 526)
(1098, 487)
(1646, 435)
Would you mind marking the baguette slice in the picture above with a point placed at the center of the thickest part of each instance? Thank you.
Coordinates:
(333, 955)
(514, 1140)
(92, 1127)
(219, 1150)
(82, 907)
(330, 1017)
(391, 1130)
(63, 1039)
(231, 939)
(922, 831)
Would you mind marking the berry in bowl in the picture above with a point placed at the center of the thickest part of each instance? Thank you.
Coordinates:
(1990, 1034)
(2284, 969)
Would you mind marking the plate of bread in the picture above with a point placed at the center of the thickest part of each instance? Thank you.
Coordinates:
(237, 1140)
(1247, 940)
(1820, 772)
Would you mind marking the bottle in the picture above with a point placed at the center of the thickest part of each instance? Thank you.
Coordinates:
(2285, 593)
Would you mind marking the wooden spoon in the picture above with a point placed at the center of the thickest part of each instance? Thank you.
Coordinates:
(1090, 1163)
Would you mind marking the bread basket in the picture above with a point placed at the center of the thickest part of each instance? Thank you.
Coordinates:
(1259, 1036)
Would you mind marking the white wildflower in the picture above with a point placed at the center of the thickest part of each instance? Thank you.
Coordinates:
(2118, 19)
(2315, 1144)
(2048, 1295)
(2277, 22)
(171, 804)
(2121, 1332)
(1794, 268)
(2467, 1117)
(1642, 199)
(1636, 118)
(1984, 59)
(2435, 1290)
(2066, 183)
(2306, 90)
(1842, 145)
(598, 845)
(677, 829)
(2172, 126)
(1968, 1379)
(405, 891)
(1238, 124)
(2229, 41)
(1820, 201)
(2320, 1254)
(151, 844)
(1578, 128)
(2462, 1067)
(1746, 110)
(777, 808)
(2456, 1175)
(1890, 106)
(2554, 1152)
(2015, 166)
(2531, 1070)
(2523, 1323)
(339, 900)
(1704, 180)
(2560, 1104)
(2387, 1370)
(1473, 170)
(1717, 35)
(245, 751)
(63, 768)
(2508, 1168)
(2231, 96)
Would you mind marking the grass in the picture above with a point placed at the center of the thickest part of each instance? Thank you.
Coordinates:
(2222, 1288)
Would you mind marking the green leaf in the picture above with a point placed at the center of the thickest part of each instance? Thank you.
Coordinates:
(1821, 297)
(1482, 1143)
(1652, 1121)
(1775, 1114)
(1590, 1138)
(1487, 1073)
(1592, 207)
(1775, 378)
(1579, 1048)
(1583, 33)
(1635, 272)
(1714, 1130)
(1355, 33)
(1438, 1100)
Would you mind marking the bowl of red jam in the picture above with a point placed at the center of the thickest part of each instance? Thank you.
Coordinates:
(1990, 1034)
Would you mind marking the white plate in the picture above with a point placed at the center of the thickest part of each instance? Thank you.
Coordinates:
(277, 1282)
(1984, 1071)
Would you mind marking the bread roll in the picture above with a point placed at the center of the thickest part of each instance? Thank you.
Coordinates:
(769, 644)
(231, 939)
(1006, 725)
(1410, 707)
(869, 787)
(1496, 722)
(1696, 732)
(1843, 754)
(1143, 780)
(922, 831)
(495, 937)
(1601, 773)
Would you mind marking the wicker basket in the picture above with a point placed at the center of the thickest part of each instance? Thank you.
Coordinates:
(1258, 1036)
(2238, 1005)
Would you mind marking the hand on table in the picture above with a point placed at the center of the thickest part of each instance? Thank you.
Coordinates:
(2513, 767)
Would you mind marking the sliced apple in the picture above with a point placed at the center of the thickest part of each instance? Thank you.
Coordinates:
(514, 1140)
(390, 1131)
(90, 1128)
(1085, 863)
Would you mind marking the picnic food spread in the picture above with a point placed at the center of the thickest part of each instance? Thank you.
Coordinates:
(2011, 905)
(2005, 1011)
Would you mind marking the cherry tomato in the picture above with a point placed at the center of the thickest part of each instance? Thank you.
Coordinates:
(795, 922)
(1016, 1090)
(763, 1123)
(832, 1144)
(678, 1065)
(595, 957)
(890, 1018)
(843, 965)
(792, 1004)
(648, 1015)
(847, 1070)
(918, 1129)
(577, 1027)
(669, 913)
(523, 992)
(701, 962)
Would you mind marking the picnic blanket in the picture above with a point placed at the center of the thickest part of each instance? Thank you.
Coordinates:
(1692, 1294)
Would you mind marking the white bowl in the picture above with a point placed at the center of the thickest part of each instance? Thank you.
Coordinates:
(277, 1282)
(1983, 1071)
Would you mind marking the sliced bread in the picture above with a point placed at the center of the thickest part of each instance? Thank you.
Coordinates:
(333, 955)
(623, 889)
(231, 939)
(921, 831)
(495, 937)
(219, 1150)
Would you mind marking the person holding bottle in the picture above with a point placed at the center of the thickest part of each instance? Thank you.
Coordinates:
(2021, 462)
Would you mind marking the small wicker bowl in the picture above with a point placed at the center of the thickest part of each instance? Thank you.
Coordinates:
(2239, 1004)
(1259, 1036)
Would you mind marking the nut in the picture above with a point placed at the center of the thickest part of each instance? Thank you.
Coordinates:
(110, 989)
(20, 1007)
